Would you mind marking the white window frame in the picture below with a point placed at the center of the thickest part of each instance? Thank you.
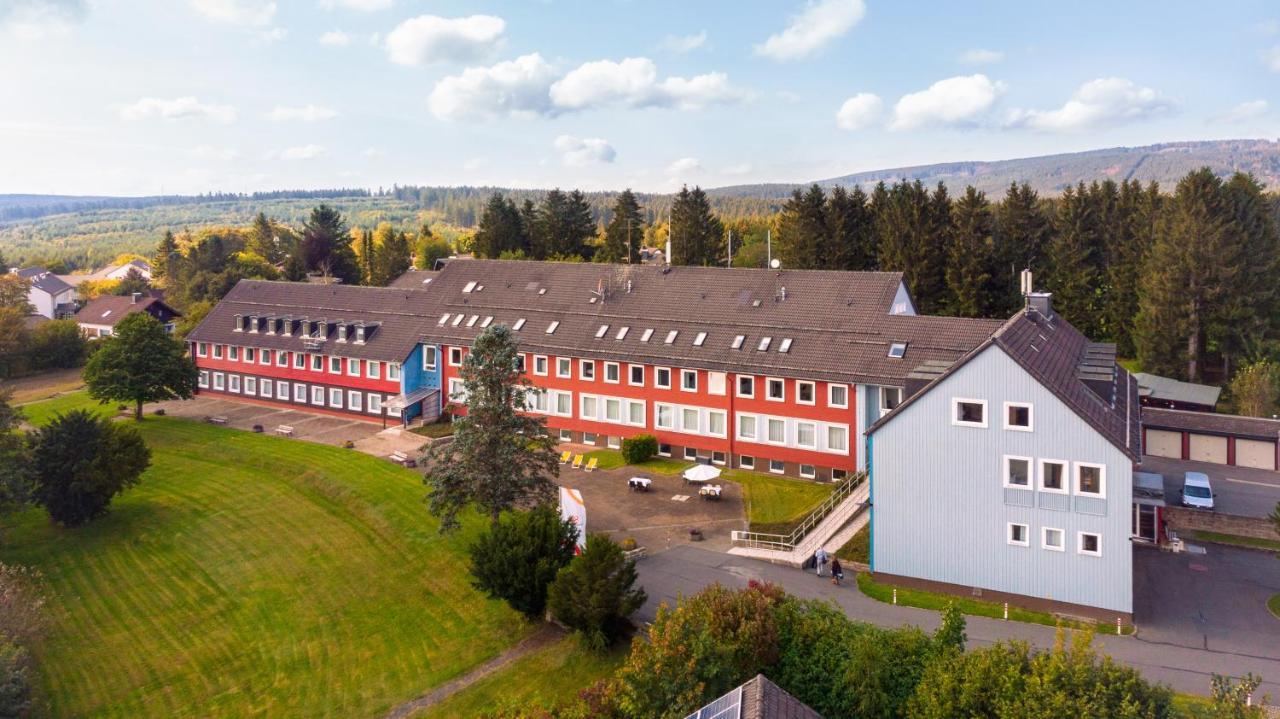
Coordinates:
(233, 383)
(233, 353)
(690, 454)
(737, 387)
(615, 403)
(617, 372)
(1044, 539)
(264, 357)
(582, 407)
(583, 373)
(811, 473)
(299, 393)
(372, 369)
(657, 373)
(455, 352)
(430, 358)
(1066, 476)
(317, 363)
(373, 403)
(631, 404)
(767, 387)
(631, 374)
(684, 373)
(826, 438)
(554, 403)
(282, 390)
(218, 351)
(393, 371)
(766, 439)
(355, 400)
(317, 395)
(1026, 534)
(564, 368)
(684, 411)
(813, 392)
(955, 412)
(1030, 416)
(755, 427)
(266, 387)
(457, 390)
(353, 367)
(335, 392)
(541, 361)
(282, 358)
(724, 423)
(814, 434)
(248, 355)
(335, 365)
(219, 381)
(716, 382)
(1004, 472)
(657, 416)
(882, 393)
(204, 379)
(746, 462)
(299, 360)
(1080, 544)
(780, 470)
(1102, 479)
(831, 390)
(202, 349)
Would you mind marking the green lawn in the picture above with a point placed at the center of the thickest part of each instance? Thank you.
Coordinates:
(976, 607)
(858, 548)
(1234, 539)
(39, 413)
(776, 504)
(612, 459)
(250, 575)
(434, 430)
(1274, 605)
(545, 678)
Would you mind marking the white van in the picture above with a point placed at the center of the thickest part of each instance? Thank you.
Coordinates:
(1196, 491)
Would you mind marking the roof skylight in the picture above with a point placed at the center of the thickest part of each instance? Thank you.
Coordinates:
(470, 286)
(444, 318)
(702, 337)
(897, 350)
(486, 321)
(472, 322)
(737, 342)
(647, 334)
(785, 346)
(457, 320)
(601, 332)
(551, 328)
(764, 344)
(519, 323)
(671, 336)
(622, 333)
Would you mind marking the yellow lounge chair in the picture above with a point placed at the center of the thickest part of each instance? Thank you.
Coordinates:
(577, 461)
(565, 455)
(591, 465)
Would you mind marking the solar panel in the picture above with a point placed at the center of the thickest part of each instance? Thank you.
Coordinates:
(728, 706)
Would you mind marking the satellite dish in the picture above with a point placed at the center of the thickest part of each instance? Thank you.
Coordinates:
(775, 264)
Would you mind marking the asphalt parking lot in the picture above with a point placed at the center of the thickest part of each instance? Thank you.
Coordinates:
(1215, 601)
(1240, 490)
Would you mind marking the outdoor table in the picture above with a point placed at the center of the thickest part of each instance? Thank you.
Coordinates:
(710, 491)
(639, 484)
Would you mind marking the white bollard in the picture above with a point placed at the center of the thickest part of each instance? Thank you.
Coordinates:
(1248, 700)
(895, 595)
(1006, 611)
(1118, 630)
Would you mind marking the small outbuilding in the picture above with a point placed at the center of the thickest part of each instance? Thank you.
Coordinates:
(100, 316)
(1169, 393)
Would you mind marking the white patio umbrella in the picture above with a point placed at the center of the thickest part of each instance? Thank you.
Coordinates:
(701, 473)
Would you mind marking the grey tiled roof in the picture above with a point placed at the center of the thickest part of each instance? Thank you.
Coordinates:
(44, 280)
(413, 280)
(110, 309)
(399, 315)
(1211, 422)
(838, 322)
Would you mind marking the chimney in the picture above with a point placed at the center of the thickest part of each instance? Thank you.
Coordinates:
(1041, 302)
(136, 296)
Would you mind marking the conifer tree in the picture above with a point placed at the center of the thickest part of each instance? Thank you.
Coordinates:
(911, 227)
(1022, 230)
(500, 228)
(697, 236)
(325, 248)
(625, 231)
(850, 238)
(365, 254)
(262, 239)
(1073, 273)
(970, 256)
(159, 264)
(1128, 235)
(1253, 302)
(391, 258)
(802, 230)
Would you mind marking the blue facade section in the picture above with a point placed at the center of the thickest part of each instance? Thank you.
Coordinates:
(413, 377)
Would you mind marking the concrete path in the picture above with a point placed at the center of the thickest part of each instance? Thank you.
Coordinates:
(687, 569)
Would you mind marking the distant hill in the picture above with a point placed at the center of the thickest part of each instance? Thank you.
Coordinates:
(1050, 174)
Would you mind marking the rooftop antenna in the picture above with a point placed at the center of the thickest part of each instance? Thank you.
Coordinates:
(768, 247)
(730, 248)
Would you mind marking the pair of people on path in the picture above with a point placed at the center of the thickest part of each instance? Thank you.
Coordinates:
(820, 559)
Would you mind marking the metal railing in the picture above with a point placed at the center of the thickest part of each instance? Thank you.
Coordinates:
(788, 542)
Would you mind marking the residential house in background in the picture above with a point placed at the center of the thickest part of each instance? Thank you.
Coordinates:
(51, 297)
(99, 317)
(111, 272)
(1009, 473)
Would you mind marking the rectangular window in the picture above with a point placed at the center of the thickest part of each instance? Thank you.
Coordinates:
(1017, 535)
(335, 365)
(429, 358)
(968, 412)
(455, 356)
(217, 351)
(838, 475)
(613, 410)
(635, 376)
(457, 390)
(746, 462)
(635, 413)
(299, 360)
(1017, 472)
(699, 339)
(375, 403)
(806, 435)
(644, 336)
(718, 458)
(612, 372)
(1053, 476)
(564, 367)
(233, 353)
(1091, 479)
(519, 363)
(282, 358)
(317, 396)
(763, 345)
(838, 396)
(664, 416)
(1051, 539)
(777, 466)
(317, 363)
(611, 441)
(566, 435)
(264, 357)
(715, 383)
(590, 408)
(671, 336)
(689, 420)
(267, 388)
(551, 328)
(564, 404)
(601, 332)
(776, 390)
(353, 368)
(890, 398)
(393, 371)
(690, 453)
(662, 378)
(716, 423)
(588, 437)
(202, 349)
(737, 341)
(249, 354)
(689, 380)
(282, 391)
(777, 431)
(746, 427)
(234, 382)
(622, 333)
(1017, 416)
(1090, 543)
(204, 379)
(805, 393)
(664, 449)
(373, 369)
(837, 439)
(335, 397)
(354, 400)
(746, 386)
(540, 365)
(587, 370)
(299, 392)
(219, 381)
(808, 471)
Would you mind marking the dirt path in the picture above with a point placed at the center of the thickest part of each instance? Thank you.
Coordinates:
(44, 385)
(545, 635)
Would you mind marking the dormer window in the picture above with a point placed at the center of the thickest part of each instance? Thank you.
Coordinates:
(359, 334)
(253, 324)
(239, 326)
(342, 333)
(271, 325)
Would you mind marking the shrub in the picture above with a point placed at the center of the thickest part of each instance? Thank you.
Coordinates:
(639, 448)
(15, 680)
(516, 559)
(593, 595)
(81, 462)
(58, 344)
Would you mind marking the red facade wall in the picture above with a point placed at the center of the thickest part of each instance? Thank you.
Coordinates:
(301, 375)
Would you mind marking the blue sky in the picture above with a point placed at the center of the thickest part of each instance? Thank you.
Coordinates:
(184, 96)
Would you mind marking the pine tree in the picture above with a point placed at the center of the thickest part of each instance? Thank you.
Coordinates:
(1022, 230)
(500, 228)
(391, 256)
(1253, 303)
(578, 226)
(1128, 235)
(365, 254)
(1074, 262)
(911, 228)
(803, 237)
(623, 234)
(262, 239)
(970, 256)
(325, 247)
(697, 236)
(164, 253)
(850, 230)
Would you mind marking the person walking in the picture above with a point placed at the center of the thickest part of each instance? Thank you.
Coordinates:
(837, 572)
(822, 561)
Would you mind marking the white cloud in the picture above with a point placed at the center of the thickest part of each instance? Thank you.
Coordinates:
(1105, 101)
(957, 100)
(859, 111)
(979, 56)
(1245, 111)
(683, 167)
(429, 39)
(633, 82)
(584, 151)
(304, 113)
(209, 152)
(302, 152)
(788, 96)
(275, 34)
(517, 87)
(819, 23)
(360, 5)
(372, 152)
(180, 108)
(37, 19)
(1272, 58)
(335, 38)
(737, 170)
(684, 43)
(254, 13)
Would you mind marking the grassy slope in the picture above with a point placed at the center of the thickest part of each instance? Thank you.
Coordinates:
(545, 678)
(39, 413)
(250, 575)
(776, 504)
(858, 548)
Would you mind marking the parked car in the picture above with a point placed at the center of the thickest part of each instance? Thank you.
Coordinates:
(1196, 491)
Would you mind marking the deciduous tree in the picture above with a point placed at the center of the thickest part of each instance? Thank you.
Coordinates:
(81, 462)
(140, 363)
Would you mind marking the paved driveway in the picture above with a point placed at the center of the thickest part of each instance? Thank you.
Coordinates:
(314, 427)
(1241, 490)
(1216, 600)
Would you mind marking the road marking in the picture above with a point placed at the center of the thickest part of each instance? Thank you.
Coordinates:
(1249, 481)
